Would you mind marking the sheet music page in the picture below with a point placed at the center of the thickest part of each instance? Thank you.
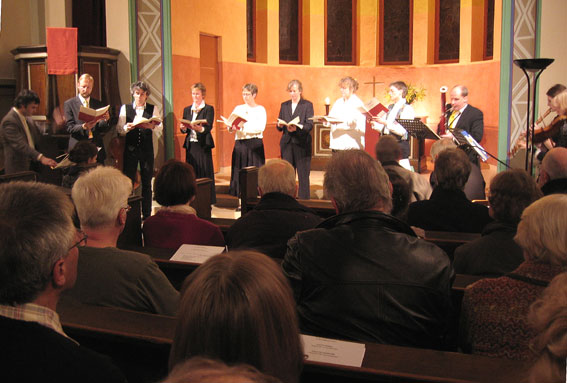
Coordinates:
(333, 351)
(195, 253)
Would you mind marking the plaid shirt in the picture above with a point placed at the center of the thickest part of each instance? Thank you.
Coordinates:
(31, 312)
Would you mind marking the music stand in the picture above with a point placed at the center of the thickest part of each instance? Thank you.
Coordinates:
(419, 130)
(464, 138)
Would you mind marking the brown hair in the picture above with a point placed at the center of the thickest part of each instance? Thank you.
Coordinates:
(200, 86)
(511, 192)
(175, 183)
(555, 90)
(400, 85)
(452, 169)
(238, 307)
(387, 149)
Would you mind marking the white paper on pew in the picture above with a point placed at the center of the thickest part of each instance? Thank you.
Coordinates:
(195, 253)
(333, 351)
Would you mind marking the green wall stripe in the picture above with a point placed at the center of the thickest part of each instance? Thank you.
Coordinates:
(506, 63)
(133, 41)
(167, 78)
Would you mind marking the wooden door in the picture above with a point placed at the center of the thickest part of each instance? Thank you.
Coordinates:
(209, 75)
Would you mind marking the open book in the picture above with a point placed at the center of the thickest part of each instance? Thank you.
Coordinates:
(139, 121)
(88, 114)
(372, 108)
(192, 124)
(235, 121)
(294, 122)
(326, 119)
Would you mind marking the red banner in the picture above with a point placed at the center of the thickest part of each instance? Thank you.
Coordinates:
(62, 51)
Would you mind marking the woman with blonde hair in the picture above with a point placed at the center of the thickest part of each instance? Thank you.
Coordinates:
(238, 307)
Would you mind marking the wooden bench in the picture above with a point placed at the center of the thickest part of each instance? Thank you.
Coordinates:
(202, 201)
(19, 176)
(139, 344)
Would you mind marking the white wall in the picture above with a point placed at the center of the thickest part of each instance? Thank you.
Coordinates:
(117, 37)
(553, 45)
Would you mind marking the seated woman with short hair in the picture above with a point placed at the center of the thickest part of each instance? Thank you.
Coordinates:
(238, 307)
(176, 222)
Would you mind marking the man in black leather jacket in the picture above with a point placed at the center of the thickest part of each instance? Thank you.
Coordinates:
(363, 275)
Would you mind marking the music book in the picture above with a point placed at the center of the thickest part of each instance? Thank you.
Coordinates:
(333, 351)
(372, 108)
(138, 121)
(191, 124)
(88, 114)
(327, 119)
(294, 122)
(235, 121)
(196, 253)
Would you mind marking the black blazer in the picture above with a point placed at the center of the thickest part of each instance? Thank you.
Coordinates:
(205, 138)
(472, 121)
(75, 126)
(301, 137)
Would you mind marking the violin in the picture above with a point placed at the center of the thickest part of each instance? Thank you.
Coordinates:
(550, 130)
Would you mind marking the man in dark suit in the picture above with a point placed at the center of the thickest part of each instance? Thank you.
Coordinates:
(467, 117)
(295, 143)
(79, 129)
(20, 136)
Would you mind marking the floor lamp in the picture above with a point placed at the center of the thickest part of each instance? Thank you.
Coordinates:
(536, 67)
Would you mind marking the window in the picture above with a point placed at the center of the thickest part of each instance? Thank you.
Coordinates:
(396, 29)
(251, 29)
(290, 31)
(488, 29)
(447, 30)
(340, 31)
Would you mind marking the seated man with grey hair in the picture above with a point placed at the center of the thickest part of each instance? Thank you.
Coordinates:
(448, 208)
(38, 261)
(553, 172)
(276, 218)
(364, 275)
(108, 276)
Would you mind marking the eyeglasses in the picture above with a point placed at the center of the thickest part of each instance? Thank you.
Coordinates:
(127, 208)
(82, 242)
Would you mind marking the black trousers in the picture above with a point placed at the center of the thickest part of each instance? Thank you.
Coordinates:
(300, 158)
(133, 155)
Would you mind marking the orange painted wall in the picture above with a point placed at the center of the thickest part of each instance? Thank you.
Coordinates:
(227, 19)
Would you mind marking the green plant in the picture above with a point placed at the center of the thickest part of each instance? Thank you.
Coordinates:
(414, 94)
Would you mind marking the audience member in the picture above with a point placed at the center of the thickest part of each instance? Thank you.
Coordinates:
(475, 185)
(448, 209)
(81, 157)
(176, 222)
(108, 276)
(494, 311)
(278, 215)
(401, 193)
(238, 307)
(202, 370)
(388, 152)
(553, 172)
(364, 275)
(496, 253)
(38, 261)
(548, 316)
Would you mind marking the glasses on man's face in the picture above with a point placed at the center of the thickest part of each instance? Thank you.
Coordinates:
(82, 242)
(127, 208)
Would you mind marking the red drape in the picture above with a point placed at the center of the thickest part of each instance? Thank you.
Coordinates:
(62, 51)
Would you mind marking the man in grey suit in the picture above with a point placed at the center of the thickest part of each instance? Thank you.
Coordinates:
(79, 129)
(20, 136)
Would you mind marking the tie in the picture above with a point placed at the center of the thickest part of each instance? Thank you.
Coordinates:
(86, 105)
(452, 118)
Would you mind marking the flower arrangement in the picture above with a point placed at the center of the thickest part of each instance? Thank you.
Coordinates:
(414, 94)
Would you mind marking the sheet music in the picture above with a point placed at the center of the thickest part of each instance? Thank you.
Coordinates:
(333, 351)
(196, 253)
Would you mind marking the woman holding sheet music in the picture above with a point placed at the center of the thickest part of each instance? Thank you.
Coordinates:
(349, 132)
(248, 145)
(399, 109)
(139, 145)
(199, 140)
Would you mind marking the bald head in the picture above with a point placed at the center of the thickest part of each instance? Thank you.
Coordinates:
(277, 176)
(554, 164)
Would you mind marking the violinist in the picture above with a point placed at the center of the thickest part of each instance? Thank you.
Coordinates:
(559, 123)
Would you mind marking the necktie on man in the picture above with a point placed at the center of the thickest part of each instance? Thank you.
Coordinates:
(86, 105)
(452, 118)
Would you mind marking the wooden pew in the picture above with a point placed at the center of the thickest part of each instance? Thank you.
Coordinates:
(20, 176)
(139, 344)
(202, 201)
